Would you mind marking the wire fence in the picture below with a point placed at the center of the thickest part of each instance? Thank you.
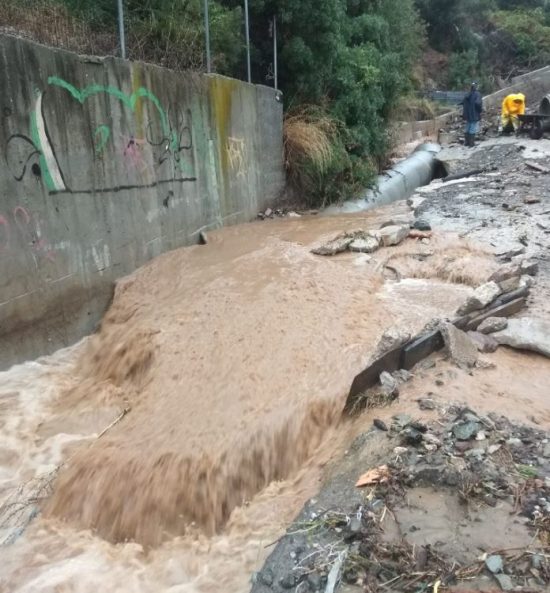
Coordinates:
(167, 36)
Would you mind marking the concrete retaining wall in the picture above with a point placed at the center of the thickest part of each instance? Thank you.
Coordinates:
(107, 164)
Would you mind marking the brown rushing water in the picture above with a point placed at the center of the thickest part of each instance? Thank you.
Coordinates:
(235, 360)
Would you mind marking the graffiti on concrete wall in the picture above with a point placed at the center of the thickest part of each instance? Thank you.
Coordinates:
(161, 153)
(28, 229)
(236, 151)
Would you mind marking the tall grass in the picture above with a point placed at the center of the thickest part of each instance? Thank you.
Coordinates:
(319, 168)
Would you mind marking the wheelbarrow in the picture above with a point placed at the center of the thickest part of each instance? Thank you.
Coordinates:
(534, 124)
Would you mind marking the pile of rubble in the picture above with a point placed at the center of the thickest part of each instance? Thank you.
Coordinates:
(482, 462)
(391, 233)
(279, 213)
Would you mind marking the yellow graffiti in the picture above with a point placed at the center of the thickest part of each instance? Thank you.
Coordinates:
(236, 152)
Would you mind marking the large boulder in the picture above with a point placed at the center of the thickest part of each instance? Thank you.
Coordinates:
(526, 333)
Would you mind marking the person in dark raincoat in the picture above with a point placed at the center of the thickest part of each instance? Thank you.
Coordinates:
(472, 107)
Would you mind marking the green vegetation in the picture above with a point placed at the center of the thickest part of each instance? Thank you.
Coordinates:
(355, 64)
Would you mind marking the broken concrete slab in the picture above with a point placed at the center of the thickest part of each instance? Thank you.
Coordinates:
(484, 343)
(460, 347)
(392, 235)
(492, 324)
(420, 348)
(526, 333)
(483, 296)
(367, 244)
(505, 310)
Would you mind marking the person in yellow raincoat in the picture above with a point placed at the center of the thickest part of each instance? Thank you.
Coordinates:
(512, 106)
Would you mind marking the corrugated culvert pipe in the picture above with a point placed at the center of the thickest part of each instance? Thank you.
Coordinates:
(397, 183)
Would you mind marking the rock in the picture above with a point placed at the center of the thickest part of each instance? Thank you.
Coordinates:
(432, 439)
(483, 296)
(425, 241)
(367, 244)
(536, 561)
(389, 384)
(411, 436)
(391, 235)
(293, 214)
(475, 453)
(380, 424)
(460, 348)
(481, 436)
(426, 403)
(289, 581)
(484, 343)
(415, 202)
(510, 284)
(513, 442)
(397, 221)
(504, 581)
(337, 245)
(492, 324)
(402, 376)
(526, 333)
(268, 213)
(422, 225)
(401, 420)
(354, 525)
(414, 234)
(466, 431)
(266, 577)
(203, 238)
(546, 450)
(526, 281)
(494, 563)
(391, 339)
(531, 200)
(529, 267)
(314, 581)
(505, 273)
(493, 449)
(400, 450)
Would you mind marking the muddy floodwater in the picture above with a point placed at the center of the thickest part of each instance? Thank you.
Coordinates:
(192, 428)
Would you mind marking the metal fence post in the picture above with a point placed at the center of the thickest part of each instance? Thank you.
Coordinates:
(247, 41)
(207, 35)
(121, 29)
(275, 77)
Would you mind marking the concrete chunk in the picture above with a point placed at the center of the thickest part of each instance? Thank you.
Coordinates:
(334, 246)
(391, 235)
(460, 347)
(367, 244)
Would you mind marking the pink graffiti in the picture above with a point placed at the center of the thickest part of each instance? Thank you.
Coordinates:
(5, 233)
(133, 153)
(29, 228)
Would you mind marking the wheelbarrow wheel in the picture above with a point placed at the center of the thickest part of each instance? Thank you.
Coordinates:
(536, 131)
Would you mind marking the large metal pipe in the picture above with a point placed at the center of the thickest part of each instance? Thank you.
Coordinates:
(398, 183)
